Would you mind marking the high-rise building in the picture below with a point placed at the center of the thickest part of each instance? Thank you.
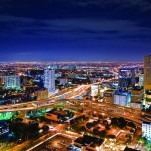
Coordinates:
(147, 72)
(2, 81)
(42, 94)
(141, 80)
(94, 90)
(12, 82)
(108, 95)
(147, 77)
(146, 130)
(122, 98)
(63, 81)
(137, 94)
(126, 77)
(49, 80)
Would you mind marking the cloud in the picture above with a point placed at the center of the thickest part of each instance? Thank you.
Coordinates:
(71, 28)
(89, 24)
(140, 37)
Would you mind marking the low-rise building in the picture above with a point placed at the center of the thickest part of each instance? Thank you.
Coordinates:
(89, 143)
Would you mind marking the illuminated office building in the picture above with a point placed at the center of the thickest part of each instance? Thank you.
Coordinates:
(147, 77)
(122, 98)
(42, 94)
(12, 82)
(141, 80)
(147, 72)
(137, 94)
(146, 130)
(2, 81)
(63, 81)
(126, 78)
(49, 80)
(94, 90)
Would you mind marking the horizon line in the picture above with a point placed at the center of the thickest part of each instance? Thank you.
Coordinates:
(71, 62)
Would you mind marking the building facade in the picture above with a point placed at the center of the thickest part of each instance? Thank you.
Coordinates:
(94, 90)
(42, 94)
(63, 81)
(146, 129)
(12, 82)
(126, 77)
(2, 81)
(141, 80)
(137, 95)
(147, 72)
(49, 80)
(122, 98)
(147, 77)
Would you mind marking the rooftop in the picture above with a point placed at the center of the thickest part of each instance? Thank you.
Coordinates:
(89, 140)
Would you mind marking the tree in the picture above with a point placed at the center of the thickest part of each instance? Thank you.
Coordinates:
(105, 122)
(72, 121)
(34, 128)
(102, 133)
(132, 131)
(89, 125)
(129, 137)
(19, 120)
(131, 124)
(45, 128)
(83, 129)
(100, 116)
(122, 122)
(95, 131)
(114, 121)
(107, 127)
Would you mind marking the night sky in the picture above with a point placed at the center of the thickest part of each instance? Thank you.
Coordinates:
(75, 30)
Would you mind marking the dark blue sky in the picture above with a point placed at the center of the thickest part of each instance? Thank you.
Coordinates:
(75, 30)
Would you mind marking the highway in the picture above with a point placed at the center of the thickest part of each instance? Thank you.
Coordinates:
(113, 110)
(80, 90)
(116, 110)
(106, 110)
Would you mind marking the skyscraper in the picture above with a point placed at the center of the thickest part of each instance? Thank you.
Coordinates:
(49, 80)
(94, 90)
(126, 77)
(122, 98)
(147, 72)
(146, 129)
(147, 77)
(12, 82)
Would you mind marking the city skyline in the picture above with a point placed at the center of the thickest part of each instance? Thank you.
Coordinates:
(73, 30)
